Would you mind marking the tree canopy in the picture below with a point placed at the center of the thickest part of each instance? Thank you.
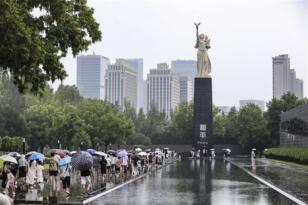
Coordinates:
(35, 35)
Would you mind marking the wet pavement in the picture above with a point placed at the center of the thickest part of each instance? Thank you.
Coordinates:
(291, 179)
(195, 182)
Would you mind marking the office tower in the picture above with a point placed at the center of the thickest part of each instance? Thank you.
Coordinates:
(137, 65)
(259, 103)
(185, 67)
(91, 71)
(163, 90)
(121, 84)
(284, 78)
(281, 66)
(145, 99)
(186, 89)
(299, 88)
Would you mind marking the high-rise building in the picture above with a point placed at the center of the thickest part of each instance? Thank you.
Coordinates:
(186, 89)
(137, 65)
(91, 71)
(121, 84)
(185, 67)
(299, 88)
(284, 78)
(163, 89)
(259, 103)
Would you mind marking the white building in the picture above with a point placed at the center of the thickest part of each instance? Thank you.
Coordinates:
(121, 84)
(186, 89)
(259, 103)
(284, 78)
(137, 65)
(91, 71)
(163, 89)
(299, 88)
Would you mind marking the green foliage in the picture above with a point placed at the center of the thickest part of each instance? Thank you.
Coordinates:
(252, 127)
(298, 155)
(32, 43)
(67, 94)
(10, 144)
(273, 114)
(139, 139)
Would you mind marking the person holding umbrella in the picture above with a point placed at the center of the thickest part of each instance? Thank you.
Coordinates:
(31, 175)
(53, 169)
(65, 173)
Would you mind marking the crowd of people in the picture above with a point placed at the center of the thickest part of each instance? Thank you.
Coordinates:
(27, 172)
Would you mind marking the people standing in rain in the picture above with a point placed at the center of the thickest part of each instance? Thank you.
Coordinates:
(129, 166)
(108, 167)
(124, 165)
(118, 166)
(65, 176)
(103, 163)
(31, 174)
(10, 183)
(150, 161)
(22, 166)
(113, 165)
(53, 170)
(39, 173)
(86, 181)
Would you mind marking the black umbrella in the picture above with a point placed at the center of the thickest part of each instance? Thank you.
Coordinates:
(82, 161)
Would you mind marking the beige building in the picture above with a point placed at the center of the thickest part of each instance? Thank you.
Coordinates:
(163, 89)
(121, 84)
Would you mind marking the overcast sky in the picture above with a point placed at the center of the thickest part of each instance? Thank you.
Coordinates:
(245, 35)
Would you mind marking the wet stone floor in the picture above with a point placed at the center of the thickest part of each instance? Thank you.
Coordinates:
(195, 182)
(290, 178)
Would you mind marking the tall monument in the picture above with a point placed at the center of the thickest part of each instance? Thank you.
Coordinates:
(203, 116)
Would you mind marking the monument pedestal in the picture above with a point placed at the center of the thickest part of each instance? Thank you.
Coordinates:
(203, 116)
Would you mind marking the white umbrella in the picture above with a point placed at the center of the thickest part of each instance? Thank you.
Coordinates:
(138, 149)
(8, 158)
(142, 154)
(100, 153)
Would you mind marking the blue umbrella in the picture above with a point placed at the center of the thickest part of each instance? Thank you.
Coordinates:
(66, 160)
(91, 151)
(36, 156)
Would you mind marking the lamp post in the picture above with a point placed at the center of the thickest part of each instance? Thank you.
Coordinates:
(24, 145)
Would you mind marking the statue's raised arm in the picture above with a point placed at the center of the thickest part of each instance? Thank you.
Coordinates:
(203, 63)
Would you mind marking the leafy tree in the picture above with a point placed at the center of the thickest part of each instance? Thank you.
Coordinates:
(252, 128)
(41, 119)
(219, 128)
(138, 139)
(273, 114)
(232, 131)
(67, 94)
(12, 122)
(32, 43)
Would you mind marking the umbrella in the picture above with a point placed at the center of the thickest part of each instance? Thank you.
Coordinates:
(138, 149)
(122, 153)
(99, 153)
(142, 154)
(135, 157)
(82, 161)
(30, 153)
(61, 154)
(111, 152)
(73, 152)
(8, 158)
(91, 151)
(148, 150)
(36, 156)
(14, 154)
(66, 160)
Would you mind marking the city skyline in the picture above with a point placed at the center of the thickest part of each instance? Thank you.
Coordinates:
(240, 58)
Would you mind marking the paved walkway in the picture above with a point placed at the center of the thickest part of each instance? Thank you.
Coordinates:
(292, 179)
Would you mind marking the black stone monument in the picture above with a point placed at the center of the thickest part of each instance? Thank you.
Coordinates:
(203, 116)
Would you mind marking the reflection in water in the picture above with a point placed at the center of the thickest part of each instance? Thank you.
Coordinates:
(195, 182)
